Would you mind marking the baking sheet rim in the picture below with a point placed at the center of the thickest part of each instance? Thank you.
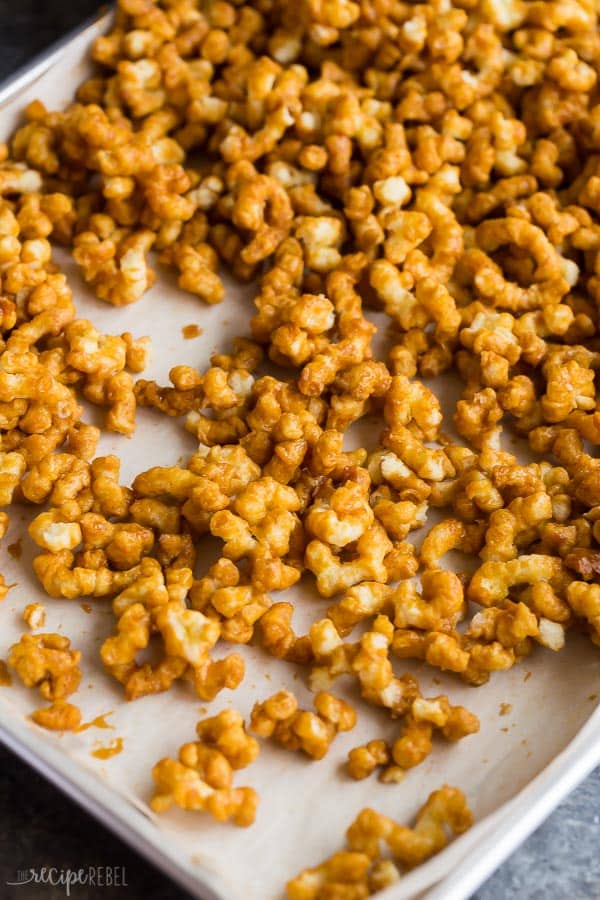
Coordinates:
(495, 838)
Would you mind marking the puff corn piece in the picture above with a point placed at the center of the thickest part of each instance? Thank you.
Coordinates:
(345, 872)
(46, 661)
(201, 777)
(45, 353)
(492, 581)
(334, 575)
(362, 761)
(296, 729)
(495, 639)
(34, 615)
(423, 718)
(439, 607)
(445, 810)
(102, 360)
(450, 534)
(427, 716)
(360, 870)
(584, 600)
(237, 605)
(223, 747)
(181, 785)
(61, 577)
(278, 637)
(226, 732)
(367, 660)
(145, 607)
(369, 598)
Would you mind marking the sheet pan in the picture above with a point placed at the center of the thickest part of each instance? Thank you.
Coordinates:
(515, 771)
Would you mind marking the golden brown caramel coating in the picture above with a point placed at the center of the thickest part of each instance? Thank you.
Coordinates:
(46, 661)
(202, 776)
(34, 615)
(362, 761)
(296, 729)
(359, 871)
(182, 785)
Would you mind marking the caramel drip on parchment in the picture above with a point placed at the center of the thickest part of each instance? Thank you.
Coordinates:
(98, 722)
(109, 750)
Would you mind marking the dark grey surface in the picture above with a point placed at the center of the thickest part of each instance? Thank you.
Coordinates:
(28, 26)
(40, 827)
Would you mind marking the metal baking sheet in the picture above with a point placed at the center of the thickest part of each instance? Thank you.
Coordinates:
(514, 772)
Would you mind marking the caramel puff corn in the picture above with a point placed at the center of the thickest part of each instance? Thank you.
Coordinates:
(495, 639)
(34, 615)
(367, 660)
(152, 604)
(425, 718)
(239, 606)
(202, 776)
(361, 870)
(279, 718)
(37, 381)
(47, 662)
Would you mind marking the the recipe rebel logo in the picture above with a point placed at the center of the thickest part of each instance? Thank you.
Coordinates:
(91, 876)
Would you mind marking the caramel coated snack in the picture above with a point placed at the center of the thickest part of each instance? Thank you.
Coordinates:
(201, 778)
(436, 163)
(47, 662)
(361, 871)
(298, 729)
(425, 717)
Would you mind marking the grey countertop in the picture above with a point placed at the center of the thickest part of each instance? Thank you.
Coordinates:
(40, 827)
